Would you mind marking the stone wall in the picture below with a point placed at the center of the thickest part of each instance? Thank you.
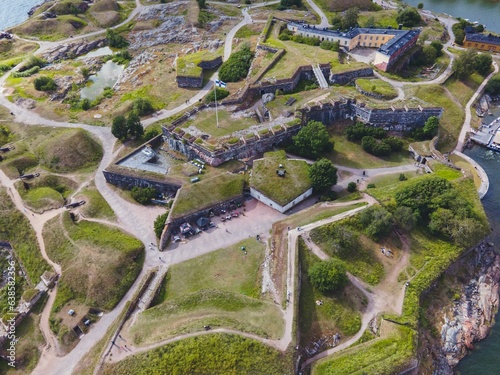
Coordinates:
(243, 149)
(211, 64)
(346, 77)
(127, 180)
(190, 82)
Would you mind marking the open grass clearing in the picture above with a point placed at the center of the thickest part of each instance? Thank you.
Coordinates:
(463, 90)
(351, 154)
(381, 18)
(99, 262)
(14, 48)
(208, 354)
(339, 313)
(444, 171)
(391, 179)
(467, 167)
(453, 116)
(220, 289)
(188, 64)
(95, 206)
(377, 87)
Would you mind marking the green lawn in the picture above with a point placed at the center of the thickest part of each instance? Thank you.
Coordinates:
(282, 190)
(206, 122)
(338, 313)
(99, 262)
(467, 167)
(444, 171)
(193, 197)
(95, 206)
(351, 154)
(188, 64)
(381, 18)
(463, 90)
(453, 116)
(391, 179)
(220, 289)
(220, 354)
(378, 87)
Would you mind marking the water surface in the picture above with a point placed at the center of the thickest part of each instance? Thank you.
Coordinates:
(106, 77)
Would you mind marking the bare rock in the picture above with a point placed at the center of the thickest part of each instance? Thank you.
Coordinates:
(25, 103)
(72, 50)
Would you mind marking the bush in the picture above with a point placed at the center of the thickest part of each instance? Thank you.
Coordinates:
(493, 86)
(160, 224)
(360, 130)
(371, 186)
(32, 62)
(482, 63)
(409, 17)
(142, 107)
(328, 276)
(286, 4)
(351, 187)
(26, 73)
(237, 66)
(219, 92)
(312, 140)
(85, 104)
(119, 127)
(115, 40)
(44, 83)
(143, 195)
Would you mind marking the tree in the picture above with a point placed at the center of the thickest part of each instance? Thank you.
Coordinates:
(404, 218)
(220, 92)
(44, 83)
(328, 276)
(86, 104)
(336, 22)
(483, 63)
(134, 126)
(431, 126)
(312, 140)
(201, 4)
(409, 17)
(420, 6)
(285, 4)
(351, 187)
(115, 40)
(119, 127)
(376, 220)
(493, 86)
(323, 175)
(343, 240)
(438, 46)
(237, 66)
(350, 18)
(464, 64)
(159, 224)
(459, 36)
(142, 107)
(429, 53)
(143, 195)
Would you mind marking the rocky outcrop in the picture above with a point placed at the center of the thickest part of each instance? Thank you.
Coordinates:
(469, 318)
(72, 50)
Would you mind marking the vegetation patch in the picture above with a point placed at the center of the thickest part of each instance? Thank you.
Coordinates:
(208, 354)
(282, 190)
(377, 87)
(188, 65)
(69, 151)
(206, 193)
(15, 228)
(99, 262)
(95, 206)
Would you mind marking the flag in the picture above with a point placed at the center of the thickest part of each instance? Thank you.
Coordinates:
(220, 83)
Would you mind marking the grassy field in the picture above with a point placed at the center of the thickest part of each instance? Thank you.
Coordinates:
(361, 262)
(391, 179)
(453, 116)
(381, 18)
(387, 355)
(220, 354)
(188, 64)
(10, 49)
(467, 167)
(463, 90)
(194, 197)
(351, 154)
(99, 262)
(339, 313)
(280, 189)
(220, 289)
(95, 206)
(206, 122)
(15, 228)
(70, 151)
(446, 172)
(45, 192)
(378, 87)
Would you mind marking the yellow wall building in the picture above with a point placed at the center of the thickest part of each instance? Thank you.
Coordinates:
(483, 42)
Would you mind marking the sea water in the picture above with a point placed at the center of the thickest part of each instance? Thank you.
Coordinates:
(13, 12)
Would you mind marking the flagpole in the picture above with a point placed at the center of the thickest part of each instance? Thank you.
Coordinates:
(215, 94)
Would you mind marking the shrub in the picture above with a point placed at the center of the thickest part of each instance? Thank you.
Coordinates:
(44, 83)
(160, 224)
(143, 195)
(115, 40)
(32, 62)
(409, 17)
(85, 104)
(119, 127)
(142, 107)
(328, 276)
(237, 66)
(26, 73)
(351, 187)
(219, 92)
(371, 186)
(323, 175)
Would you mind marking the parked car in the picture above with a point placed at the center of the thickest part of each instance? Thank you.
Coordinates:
(235, 214)
(177, 238)
(228, 217)
(197, 231)
(211, 224)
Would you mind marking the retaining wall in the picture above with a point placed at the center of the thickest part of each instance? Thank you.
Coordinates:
(346, 77)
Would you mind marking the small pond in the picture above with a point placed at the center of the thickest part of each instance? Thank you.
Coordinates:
(107, 76)
(103, 51)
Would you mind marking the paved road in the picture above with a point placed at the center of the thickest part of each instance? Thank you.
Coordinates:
(324, 19)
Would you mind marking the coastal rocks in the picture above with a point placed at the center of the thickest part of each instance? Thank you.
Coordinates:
(483, 105)
(470, 318)
(72, 50)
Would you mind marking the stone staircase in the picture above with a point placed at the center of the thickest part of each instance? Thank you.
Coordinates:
(320, 77)
(149, 293)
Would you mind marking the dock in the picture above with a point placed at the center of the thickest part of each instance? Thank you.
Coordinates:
(488, 135)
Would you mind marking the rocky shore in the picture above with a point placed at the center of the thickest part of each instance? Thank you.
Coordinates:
(470, 314)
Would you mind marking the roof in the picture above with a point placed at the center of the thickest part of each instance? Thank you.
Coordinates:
(483, 38)
(401, 37)
(285, 189)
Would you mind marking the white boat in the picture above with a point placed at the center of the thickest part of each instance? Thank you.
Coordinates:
(148, 151)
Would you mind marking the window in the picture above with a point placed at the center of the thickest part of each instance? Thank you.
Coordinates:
(371, 38)
(376, 38)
